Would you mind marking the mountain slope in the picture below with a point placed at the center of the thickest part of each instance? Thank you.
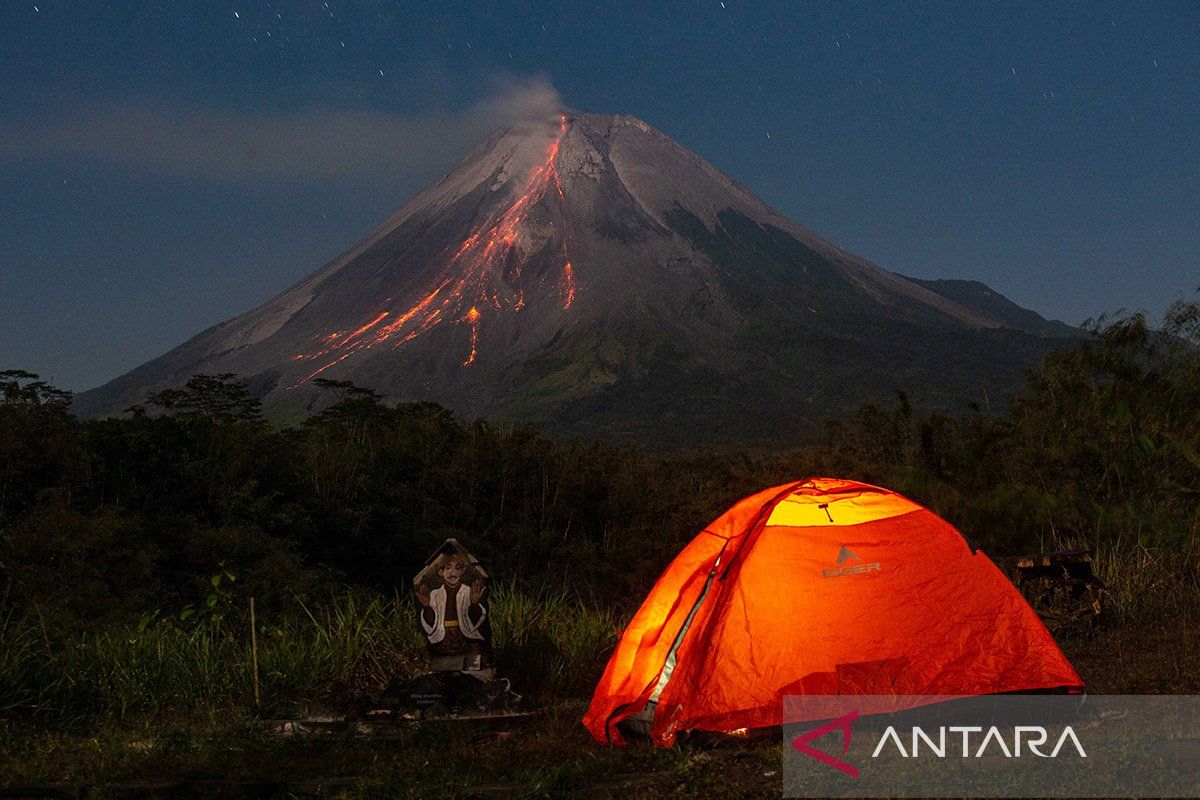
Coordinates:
(982, 298)
(589, 274)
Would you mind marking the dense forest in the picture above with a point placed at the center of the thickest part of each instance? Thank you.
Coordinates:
(103, 521)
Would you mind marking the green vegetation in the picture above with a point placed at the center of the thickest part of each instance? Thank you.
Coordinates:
(335, 655)
(129, 550)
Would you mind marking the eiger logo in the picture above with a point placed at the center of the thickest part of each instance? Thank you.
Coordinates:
(845, 559)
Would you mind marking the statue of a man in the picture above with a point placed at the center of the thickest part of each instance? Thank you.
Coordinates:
(453, 616)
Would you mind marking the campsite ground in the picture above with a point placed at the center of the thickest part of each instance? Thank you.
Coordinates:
(553, 757)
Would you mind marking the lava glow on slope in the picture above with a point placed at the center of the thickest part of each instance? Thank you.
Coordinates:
(481, 276)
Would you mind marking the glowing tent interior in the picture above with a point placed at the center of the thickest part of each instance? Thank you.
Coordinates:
(822, 586)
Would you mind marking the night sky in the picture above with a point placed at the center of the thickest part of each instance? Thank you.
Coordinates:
(167, 165)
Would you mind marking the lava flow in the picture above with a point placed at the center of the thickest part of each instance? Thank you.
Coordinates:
(474, 280)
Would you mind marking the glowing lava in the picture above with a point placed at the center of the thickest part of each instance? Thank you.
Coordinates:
(475, 279)
(568, 285)
(473, 319)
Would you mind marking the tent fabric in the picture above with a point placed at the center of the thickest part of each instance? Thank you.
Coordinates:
(822, 586)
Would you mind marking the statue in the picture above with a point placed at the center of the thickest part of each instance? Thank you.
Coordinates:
(452, 615)
(451, 591)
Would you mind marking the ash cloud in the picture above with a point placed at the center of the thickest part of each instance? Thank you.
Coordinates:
(310, 146)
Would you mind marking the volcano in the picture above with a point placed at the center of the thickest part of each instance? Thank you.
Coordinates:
(588, 274)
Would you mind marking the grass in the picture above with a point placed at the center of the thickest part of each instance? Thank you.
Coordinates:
(345, 648)
(553, 757)
(170, 698)
(1149, 582)
(557, 643)
(172, 701)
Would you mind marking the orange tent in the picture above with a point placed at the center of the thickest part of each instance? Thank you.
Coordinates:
(819, 587)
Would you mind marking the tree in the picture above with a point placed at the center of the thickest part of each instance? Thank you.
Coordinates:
(41, 448)
(220, 398)
(18, 387)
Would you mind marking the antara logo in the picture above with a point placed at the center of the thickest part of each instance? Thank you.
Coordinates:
(844, 558)
(1025, 740)
(843, 725)
(993, 742)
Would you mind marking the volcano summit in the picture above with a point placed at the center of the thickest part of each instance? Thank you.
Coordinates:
(588, 274)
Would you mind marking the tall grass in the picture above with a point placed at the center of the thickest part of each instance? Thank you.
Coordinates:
(1149, 583)
(550, 641)
(19, 660)
(1147, 559)
(344, 650)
